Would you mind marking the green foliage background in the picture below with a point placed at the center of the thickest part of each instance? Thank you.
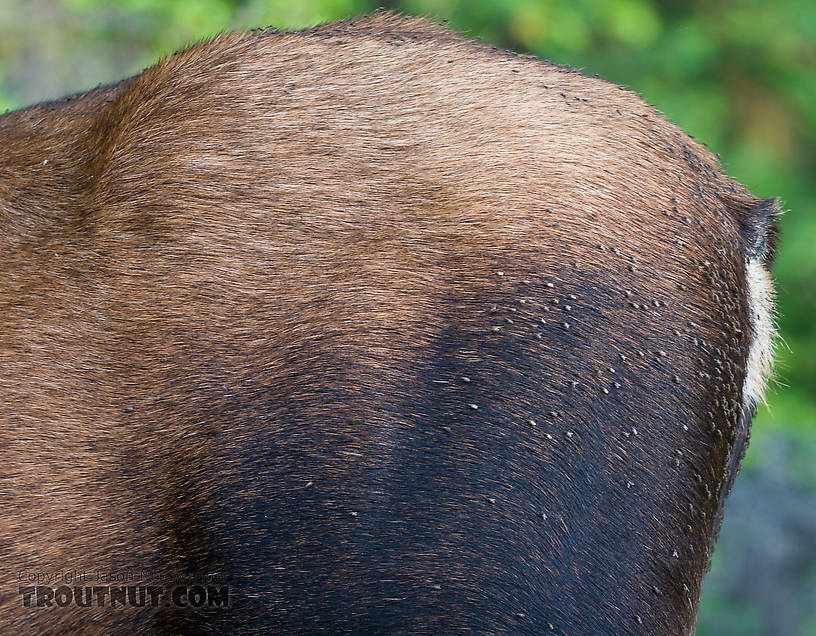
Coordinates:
(740, 75)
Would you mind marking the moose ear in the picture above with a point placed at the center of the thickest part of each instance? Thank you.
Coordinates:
(758, 225)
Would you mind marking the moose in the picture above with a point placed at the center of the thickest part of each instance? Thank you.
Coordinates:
(376, 329)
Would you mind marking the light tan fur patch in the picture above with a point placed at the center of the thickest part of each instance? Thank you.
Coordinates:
(761, 352)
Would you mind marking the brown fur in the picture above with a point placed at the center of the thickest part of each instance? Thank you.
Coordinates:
(234, 286)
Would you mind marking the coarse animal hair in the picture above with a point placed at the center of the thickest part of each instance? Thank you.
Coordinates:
(385, 329)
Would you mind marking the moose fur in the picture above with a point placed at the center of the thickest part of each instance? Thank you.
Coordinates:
(393, 331)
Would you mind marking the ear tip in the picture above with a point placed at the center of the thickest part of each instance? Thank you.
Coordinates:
(759, 228)
(769, 208)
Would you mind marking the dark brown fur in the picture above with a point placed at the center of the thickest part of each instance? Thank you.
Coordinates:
(395, 331)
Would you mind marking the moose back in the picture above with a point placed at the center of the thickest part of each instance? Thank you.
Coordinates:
(368, 328)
